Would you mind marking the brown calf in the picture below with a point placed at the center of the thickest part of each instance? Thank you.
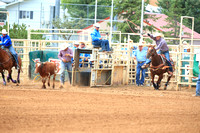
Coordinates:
(45, 70)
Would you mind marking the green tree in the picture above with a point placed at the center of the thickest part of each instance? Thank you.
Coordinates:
(20, 32)
(130, 12)
(174, 9)
(68, 24)
(192, 8)
(86, 9)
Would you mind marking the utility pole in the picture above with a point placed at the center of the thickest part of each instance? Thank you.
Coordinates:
(141, 25)
(95, 18)
(57, 15)
(57, 9)
(111, 25)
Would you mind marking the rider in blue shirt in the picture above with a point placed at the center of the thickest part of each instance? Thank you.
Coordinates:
(140, 56)
(7, 43)
(97, 39)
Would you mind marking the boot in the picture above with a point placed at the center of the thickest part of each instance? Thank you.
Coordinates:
(61, 85)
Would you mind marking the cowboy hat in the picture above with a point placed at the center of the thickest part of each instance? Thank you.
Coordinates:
(97, 25)
(76, 43)
(64, 46)
(157, 34)
(4, 31)
(141, 44)
(184, 42)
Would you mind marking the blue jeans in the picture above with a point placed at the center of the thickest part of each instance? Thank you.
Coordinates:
(67, 65)
(198, 87)
(166, 53)
(104, 44)
(138, 80)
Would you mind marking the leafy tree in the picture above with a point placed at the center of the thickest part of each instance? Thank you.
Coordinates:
(123, 9)
(172, 9)
(192, 8)
(68, 24)
(130, 12)
(20, 32)
(175, 9)
(86, 9)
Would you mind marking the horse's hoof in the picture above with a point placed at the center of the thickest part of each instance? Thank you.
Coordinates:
(53, 86)
(8, 79)
(4, 83)
(165, 88)
(43, 87)
(14, 81)
(18, 81)
(48, 84)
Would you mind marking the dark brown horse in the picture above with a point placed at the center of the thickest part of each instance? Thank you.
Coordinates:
(7, 62)
(158, 67)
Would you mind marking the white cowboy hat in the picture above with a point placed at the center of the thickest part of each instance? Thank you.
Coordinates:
(64, 46)
(4, 31)
(157, 34)
(76, 43)
(141, 44)
(184, 42)
(97, 25)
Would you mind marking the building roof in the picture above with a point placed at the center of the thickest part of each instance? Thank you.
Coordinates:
(161, 21)
(2, 3)
(11, 3)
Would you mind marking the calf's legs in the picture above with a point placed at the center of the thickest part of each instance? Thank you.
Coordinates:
(43, 81)
(54, 77)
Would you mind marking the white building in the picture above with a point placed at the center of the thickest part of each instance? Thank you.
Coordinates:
(32, 13)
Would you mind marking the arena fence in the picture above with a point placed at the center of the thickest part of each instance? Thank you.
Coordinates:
(121, 60)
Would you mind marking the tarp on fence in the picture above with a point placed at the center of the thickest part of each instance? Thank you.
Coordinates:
(195, 67)
(42, 56)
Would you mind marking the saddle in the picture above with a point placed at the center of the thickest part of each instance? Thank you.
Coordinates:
(164, 65)
(11, 56)
(163, 57)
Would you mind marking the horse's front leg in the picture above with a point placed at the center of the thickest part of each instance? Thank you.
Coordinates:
(159, 80)
(4, 81)
(18, 75)
(168, 79)
(152, 80)
(10, 76)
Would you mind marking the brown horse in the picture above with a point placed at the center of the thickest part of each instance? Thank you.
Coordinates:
(158, 67)
(7, 62)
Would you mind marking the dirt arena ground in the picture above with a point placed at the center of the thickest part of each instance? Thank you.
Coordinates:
(28, 108)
